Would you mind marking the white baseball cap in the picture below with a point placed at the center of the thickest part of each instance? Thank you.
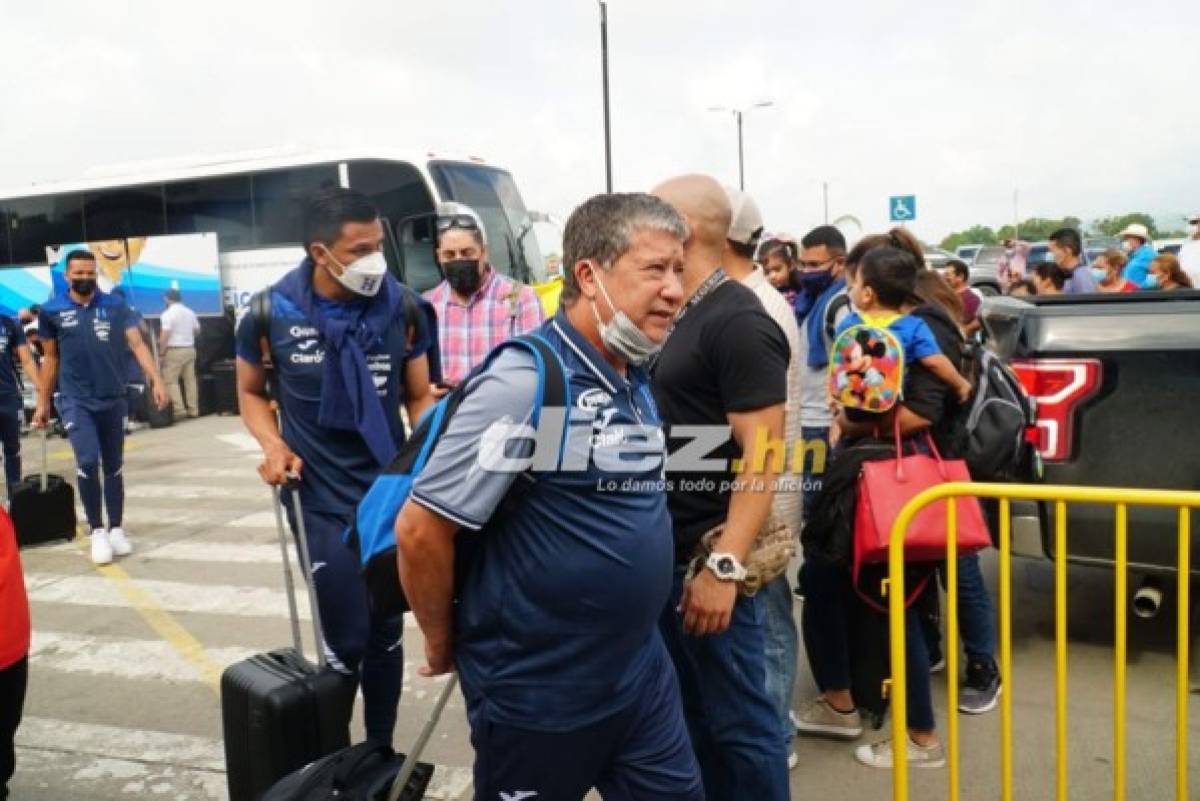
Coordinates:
(746, 223)
(1195, 218)
(1135, 229)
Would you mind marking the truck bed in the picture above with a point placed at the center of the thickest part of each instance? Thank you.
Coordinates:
(1139, 428)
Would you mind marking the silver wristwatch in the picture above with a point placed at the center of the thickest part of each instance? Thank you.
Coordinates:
(725, 566)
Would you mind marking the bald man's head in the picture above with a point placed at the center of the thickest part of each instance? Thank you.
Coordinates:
(705, 205)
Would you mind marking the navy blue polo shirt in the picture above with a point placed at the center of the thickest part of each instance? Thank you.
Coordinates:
(338, 465)
(92, 346)
(557, 627)
(11, 338)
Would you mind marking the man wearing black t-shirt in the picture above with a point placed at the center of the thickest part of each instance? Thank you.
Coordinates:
(724, 365)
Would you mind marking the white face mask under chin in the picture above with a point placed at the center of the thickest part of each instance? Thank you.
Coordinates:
(363, 276)
(620, 336)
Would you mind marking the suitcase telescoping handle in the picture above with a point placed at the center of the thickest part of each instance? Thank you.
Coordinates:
(305, 566)
(43, 480)
(287, 572)
(414, 755)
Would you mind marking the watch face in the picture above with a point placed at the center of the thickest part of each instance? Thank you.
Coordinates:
(725, 565)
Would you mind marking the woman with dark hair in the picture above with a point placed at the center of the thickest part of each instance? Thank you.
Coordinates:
(834, 620)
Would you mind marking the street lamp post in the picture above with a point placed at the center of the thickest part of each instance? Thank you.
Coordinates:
(607, 123)
(737, 114)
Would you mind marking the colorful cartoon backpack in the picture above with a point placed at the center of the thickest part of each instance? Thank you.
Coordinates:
(866, 368)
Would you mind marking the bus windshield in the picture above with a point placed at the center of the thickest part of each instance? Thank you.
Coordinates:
(493, 195)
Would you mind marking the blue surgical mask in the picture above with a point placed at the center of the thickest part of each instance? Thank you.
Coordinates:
(1099, 275)
(814, 282)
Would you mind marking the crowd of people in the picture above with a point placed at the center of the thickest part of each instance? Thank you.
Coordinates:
(627, 624)
(621, 628)
(1135, 266)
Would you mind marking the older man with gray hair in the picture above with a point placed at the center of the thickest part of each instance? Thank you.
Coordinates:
(568, 683)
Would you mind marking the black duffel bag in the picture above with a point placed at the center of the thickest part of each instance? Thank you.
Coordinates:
(362, 772)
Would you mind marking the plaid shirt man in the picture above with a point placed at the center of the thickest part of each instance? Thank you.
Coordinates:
(499, 309)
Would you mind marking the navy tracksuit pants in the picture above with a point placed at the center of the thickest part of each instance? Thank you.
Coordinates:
(97, 435)
(367, 647)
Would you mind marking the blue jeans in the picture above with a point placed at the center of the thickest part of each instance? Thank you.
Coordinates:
(733, 723)
(782, 650)
(641, 753)
(825, 621)
(364, 646)
(976, 615)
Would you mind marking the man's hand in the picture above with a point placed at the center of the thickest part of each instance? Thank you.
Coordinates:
(279, 465)
(41, 417)
(159, 393)
(439, 659)
(707, 604)
(438, 391)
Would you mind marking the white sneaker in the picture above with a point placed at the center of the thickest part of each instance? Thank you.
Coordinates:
(879, 755)
(102, 552)
(119, 542)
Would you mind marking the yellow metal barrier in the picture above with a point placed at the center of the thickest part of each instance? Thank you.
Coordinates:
(1122, 499)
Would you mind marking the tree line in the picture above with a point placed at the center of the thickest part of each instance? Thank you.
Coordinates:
(1036, 229)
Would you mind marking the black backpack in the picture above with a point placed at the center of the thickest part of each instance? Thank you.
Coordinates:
(1000, 415)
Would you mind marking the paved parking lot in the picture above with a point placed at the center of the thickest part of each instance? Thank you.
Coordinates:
(123, 683)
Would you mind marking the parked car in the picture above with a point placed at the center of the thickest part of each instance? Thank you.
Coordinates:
(936, 258)
(967, 252)
(1039, 252)
(985, 270)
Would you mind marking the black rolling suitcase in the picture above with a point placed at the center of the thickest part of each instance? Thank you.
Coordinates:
(224, 373)
(279, 711)
(368, 771)
(43, 506)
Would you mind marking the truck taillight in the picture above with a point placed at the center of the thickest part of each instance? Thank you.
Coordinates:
(1059, 387)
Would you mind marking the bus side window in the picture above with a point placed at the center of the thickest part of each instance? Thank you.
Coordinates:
(220, 205)
(418, 250)
(122, 213)
(279, 197)
(37, 222)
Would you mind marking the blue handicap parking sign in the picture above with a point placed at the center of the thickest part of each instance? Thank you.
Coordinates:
(902, 208)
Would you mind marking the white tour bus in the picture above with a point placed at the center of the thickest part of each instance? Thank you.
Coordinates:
(253, 205)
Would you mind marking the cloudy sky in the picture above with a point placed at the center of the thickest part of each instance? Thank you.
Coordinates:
(1085, 107)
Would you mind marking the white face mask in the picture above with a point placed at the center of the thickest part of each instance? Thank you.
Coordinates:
(620, 335)
(362, 276)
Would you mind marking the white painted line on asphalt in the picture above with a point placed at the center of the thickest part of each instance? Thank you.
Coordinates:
(190, 492)
(142, 763)
(208, 551)
(122, 658)
(172, 596)
(239, 473)
(241, 441)
(115, 742)
(449, 784)
(81, 775)
(147, 516)
(255, 520)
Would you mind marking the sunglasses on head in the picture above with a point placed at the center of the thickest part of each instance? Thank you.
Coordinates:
(457, 221)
